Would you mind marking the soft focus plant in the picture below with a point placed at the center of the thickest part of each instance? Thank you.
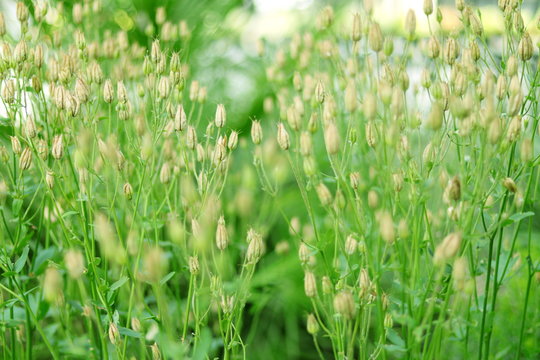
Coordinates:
(384, 205)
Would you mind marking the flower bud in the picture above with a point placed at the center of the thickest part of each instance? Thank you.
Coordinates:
(344, 304)
(375, 37)
(325, 197)
(312, 324)
(525, 47)
(447, 249)
(221, 116)
(356, 33)
(74, 261)
(310, 284)
(509, 184)
(410, 24)
(26, 159)
(428, 7)
(331, 139)
(283, 137)
(256, 132)
(58, 147)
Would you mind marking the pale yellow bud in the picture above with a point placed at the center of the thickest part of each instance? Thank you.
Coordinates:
(344, 304)
(26, 159)
(283, 137)
(331, 139)
(74, 261)
(447, 249)
(325, 197)
(310, 284)
(221, 116)
(312, 324)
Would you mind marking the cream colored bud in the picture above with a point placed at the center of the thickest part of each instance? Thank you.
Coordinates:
(233, 140)
(476, 24)
(193, 265)
(191, 137)
(354, 179)
(128, 191)
(30, 127)
(410, 24)
(58, 147)
(370, 134)
(306, 144)
(350, 245)
(49, 179)
(255, 247)
(2, 25)
(356, 32)
(351, 101)
(375, 37)
(165, 173)
(74, 261)
(310, 284)
(514, 129)
(344, 304)
(451, 51)
(388, 322)
(428, 7)
(25, 161)
(526, 150)
(20, 54)
(373, 199)
(77, 13)
(164, 87)
(447, 249)
(22, 12)
(525, 47)
(53, 286)
(121, 92)
(325, 197)
(108, 91)
(453, 189)
(81, 90)
(283, 137)
(114, 334)
(256, 132)
(435, 118)
(331, 139)
(222, 239)
(319, 92)
(370, 105)
(386, 227)
(180, 118)
(8, 91)
(312, 324)
(433, 48)
(221, 116)
(509, 184)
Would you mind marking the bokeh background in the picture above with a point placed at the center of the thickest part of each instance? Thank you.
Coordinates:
(224, 34)
(223, 57)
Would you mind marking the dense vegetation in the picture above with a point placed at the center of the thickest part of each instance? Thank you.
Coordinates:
(382, 204)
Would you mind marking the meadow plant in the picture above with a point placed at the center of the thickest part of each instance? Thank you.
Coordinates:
(385, 203)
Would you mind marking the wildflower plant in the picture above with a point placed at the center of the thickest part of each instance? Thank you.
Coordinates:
(385, 203)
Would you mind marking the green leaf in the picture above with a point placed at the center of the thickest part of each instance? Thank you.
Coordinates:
(19, 264)
(520, 216)
(167, 277)
(516, 218)
(119, 283)
(129, 333)
(16, 206)
(42, 256)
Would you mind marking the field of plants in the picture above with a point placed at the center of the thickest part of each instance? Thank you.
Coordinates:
(373, 195)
